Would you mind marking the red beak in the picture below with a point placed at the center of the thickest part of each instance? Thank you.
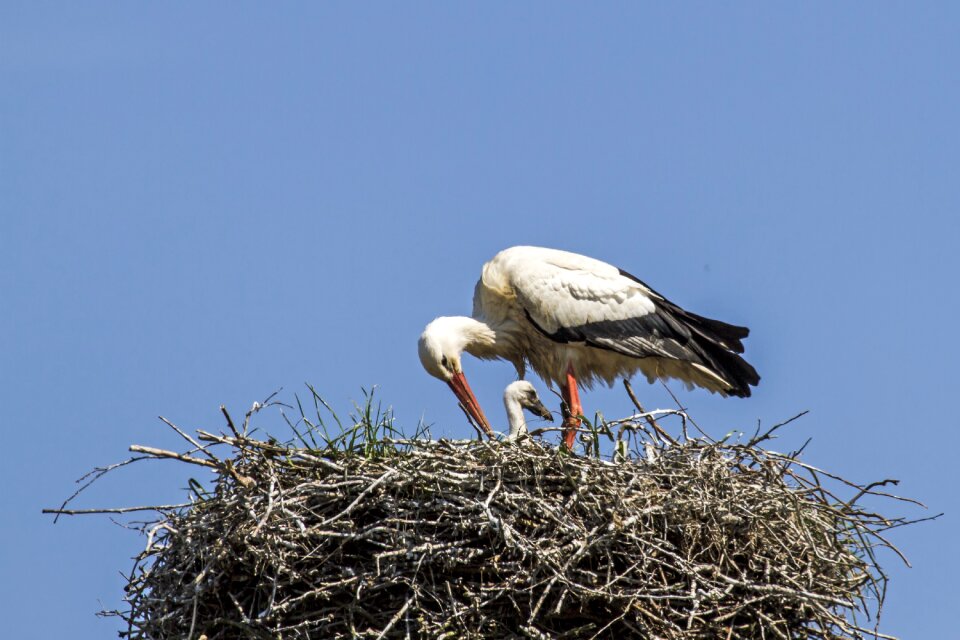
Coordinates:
(469, 401)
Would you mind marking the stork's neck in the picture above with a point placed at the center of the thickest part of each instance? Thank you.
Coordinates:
(515, 417)
(473, 335)
(491, 340)
(452, 335)
(482, 339)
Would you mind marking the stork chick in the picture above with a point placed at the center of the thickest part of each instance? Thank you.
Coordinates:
(518, 396)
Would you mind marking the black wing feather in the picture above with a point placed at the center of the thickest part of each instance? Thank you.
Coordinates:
(670, 332)
(728, 335)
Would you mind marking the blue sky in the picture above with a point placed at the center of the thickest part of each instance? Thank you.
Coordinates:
(203, 204)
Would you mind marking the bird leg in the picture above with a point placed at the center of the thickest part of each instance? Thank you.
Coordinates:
(571, 396)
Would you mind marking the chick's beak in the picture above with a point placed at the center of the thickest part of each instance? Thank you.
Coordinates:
(537, 408)
(458, 384)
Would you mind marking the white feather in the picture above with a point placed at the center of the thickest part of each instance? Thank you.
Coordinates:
(561, 289)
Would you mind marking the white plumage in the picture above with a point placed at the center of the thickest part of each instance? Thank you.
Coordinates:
(575, 320)
(518, 396)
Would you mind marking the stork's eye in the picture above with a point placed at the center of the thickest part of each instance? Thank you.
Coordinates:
(443, 361)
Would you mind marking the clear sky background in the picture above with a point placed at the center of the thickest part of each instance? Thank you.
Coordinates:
(203, 204)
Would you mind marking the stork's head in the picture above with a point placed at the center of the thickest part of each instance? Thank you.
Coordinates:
(441, 345)
(518, 396)
(525, 395)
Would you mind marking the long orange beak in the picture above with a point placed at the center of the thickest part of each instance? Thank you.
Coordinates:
(469, 401)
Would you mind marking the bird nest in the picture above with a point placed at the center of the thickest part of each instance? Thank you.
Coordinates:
(381, 537)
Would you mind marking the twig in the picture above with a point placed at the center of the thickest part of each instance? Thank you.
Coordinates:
(650, 419)
(77, 512)
(162, 453)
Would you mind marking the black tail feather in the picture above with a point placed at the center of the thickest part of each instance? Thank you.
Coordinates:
(729, 335)
(739, 373)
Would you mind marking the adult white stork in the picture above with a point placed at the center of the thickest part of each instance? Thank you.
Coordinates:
(576, 320)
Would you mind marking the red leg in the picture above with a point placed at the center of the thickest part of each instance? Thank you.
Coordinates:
(571, 395)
